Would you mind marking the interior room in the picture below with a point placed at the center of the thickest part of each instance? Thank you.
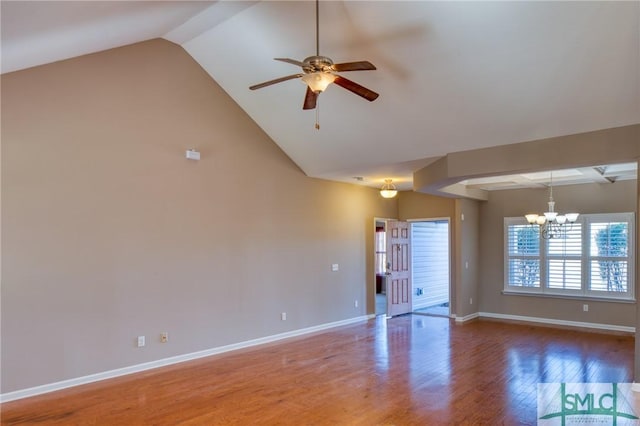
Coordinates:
(184, 225)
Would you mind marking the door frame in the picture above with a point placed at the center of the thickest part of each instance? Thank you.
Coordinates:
(372, 285)
(439, 219)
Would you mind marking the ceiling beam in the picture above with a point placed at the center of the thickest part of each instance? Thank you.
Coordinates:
(595, 174)
(529, 183)
(458, 190)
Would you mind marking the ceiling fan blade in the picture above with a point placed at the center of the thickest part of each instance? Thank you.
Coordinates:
(356, 88)
(291, 61)
(277, 80)
(310, 99)
(354, 66)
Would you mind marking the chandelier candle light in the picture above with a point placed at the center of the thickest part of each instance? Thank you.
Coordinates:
(551, 223)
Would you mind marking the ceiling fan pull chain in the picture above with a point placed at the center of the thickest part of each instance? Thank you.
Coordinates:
(318, 115)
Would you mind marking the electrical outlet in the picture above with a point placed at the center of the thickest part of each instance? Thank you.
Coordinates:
(585, 308)
(140, 341)
(355, 304)
(335, 267)
(164, 337)
(471, 300)
(283, 316)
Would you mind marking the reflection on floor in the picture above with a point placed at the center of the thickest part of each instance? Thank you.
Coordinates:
(381, 304)
(409, 370)
(441, 310)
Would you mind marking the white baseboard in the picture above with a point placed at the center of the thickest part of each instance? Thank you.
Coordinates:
(578, 324)
(466, 317)
(556, 322)
(51, 387)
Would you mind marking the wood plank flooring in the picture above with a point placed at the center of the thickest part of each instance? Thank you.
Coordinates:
(410, 370)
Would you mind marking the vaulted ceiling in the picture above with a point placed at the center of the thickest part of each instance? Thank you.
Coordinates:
(452, 76)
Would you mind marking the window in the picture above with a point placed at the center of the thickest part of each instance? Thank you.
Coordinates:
(381, 247)
(564, 260)
(592, 258)
(609, 257)
(523, 259)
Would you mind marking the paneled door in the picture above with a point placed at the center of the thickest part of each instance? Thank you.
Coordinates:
(398, 268)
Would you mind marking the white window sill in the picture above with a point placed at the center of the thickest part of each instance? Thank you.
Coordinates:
(568, 296)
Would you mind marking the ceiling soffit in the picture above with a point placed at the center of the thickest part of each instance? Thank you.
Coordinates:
(581, 151)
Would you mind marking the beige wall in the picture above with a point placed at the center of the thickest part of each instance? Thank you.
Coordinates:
(636, 364)
(467, 256)
(110, 233)
(416, 205)
(594, 198)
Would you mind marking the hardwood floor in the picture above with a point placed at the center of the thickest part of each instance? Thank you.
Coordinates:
(410, 370)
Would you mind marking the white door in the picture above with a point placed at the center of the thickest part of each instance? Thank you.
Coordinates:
(398, 268)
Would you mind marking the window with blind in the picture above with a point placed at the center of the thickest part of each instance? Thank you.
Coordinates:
(381, 254)
(564, 260)
(591, 258)
(609, 255)
(523, 254)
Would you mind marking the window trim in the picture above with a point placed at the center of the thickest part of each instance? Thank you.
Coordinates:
(586, 258)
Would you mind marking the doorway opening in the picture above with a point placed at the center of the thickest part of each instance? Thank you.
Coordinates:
(430, 268)
(392, 244)
(380, 247)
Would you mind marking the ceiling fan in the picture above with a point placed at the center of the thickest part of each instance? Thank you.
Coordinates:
(320, 71)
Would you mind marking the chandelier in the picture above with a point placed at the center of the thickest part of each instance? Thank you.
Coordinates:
(551, 223)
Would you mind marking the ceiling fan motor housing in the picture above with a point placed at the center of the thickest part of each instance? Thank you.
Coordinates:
(317, 64)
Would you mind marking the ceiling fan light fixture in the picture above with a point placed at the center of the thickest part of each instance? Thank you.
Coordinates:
(318, 81)
(388, 190)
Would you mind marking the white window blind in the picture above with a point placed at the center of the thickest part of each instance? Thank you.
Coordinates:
(381, 255)
(564, 256)
(591, 258)
(609, 256)
(523, 248)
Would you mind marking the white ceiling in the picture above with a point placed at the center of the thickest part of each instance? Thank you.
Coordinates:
(452, 76)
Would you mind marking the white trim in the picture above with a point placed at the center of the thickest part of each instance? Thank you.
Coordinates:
(564, 323)
(51, 387)
(568, 296)
(467, 317)
(635, 387)
(430, 219)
